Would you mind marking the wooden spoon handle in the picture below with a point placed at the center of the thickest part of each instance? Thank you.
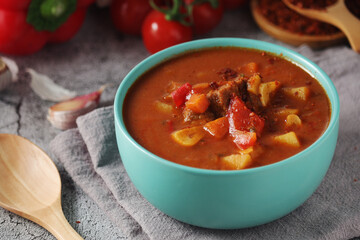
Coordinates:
(53, 219)
(347, 22)
(62, 230)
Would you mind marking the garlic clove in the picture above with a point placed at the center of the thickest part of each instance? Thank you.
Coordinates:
(63, 115)
(67, 119)
(47, 89)
(79, 102)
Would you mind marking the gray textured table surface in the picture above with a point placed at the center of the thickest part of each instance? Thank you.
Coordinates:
(97, 55)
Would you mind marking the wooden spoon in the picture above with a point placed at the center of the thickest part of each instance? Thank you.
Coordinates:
(293, 38)
(30, 186)
(338, 15)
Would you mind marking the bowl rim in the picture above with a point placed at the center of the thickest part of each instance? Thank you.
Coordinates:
(153, 60)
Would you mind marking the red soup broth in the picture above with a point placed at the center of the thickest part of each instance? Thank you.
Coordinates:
(259, 109)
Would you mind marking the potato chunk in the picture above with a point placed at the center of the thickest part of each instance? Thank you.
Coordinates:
(283, 112)
(289, 139)
(301, 93)
(253, 84)
(293, 120)
(266, 90)
(163, 107)
(188, 136)
(236, 161)
(251, 67)
(254, 151)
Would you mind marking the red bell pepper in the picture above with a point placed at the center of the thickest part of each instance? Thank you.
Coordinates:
(244, 125)
(242, 118)
(243, 139)
(27, 25)
(179, 95)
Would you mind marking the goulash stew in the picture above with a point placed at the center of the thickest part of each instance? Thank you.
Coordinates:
(226, 108)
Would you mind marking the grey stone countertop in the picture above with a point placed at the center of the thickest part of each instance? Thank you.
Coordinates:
(97, 55)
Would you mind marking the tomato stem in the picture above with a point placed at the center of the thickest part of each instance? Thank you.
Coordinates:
(174, 13)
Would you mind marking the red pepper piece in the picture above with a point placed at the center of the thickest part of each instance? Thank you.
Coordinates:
(243, 139)
(244, 124)
(242, 118)
(179, 95)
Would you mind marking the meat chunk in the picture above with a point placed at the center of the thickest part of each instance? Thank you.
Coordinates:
(254, 103)
(227, 74)
(220, 98)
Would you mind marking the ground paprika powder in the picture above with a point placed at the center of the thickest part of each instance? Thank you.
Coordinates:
(279, 14)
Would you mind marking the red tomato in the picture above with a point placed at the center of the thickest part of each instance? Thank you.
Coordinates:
(179, 95)
(243, 140)
(242, 118)
(205, 17)
(128, 15)
(231, 4)
(159, 33)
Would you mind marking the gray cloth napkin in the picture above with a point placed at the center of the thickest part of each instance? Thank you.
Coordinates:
(89, 153)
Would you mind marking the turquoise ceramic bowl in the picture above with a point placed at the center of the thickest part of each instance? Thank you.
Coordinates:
(227, 199)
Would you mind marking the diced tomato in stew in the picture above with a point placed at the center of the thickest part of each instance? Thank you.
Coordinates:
(243, 139)
(242, 118)
(179, 95)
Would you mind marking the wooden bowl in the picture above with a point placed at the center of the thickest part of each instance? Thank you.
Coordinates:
(293, 38)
